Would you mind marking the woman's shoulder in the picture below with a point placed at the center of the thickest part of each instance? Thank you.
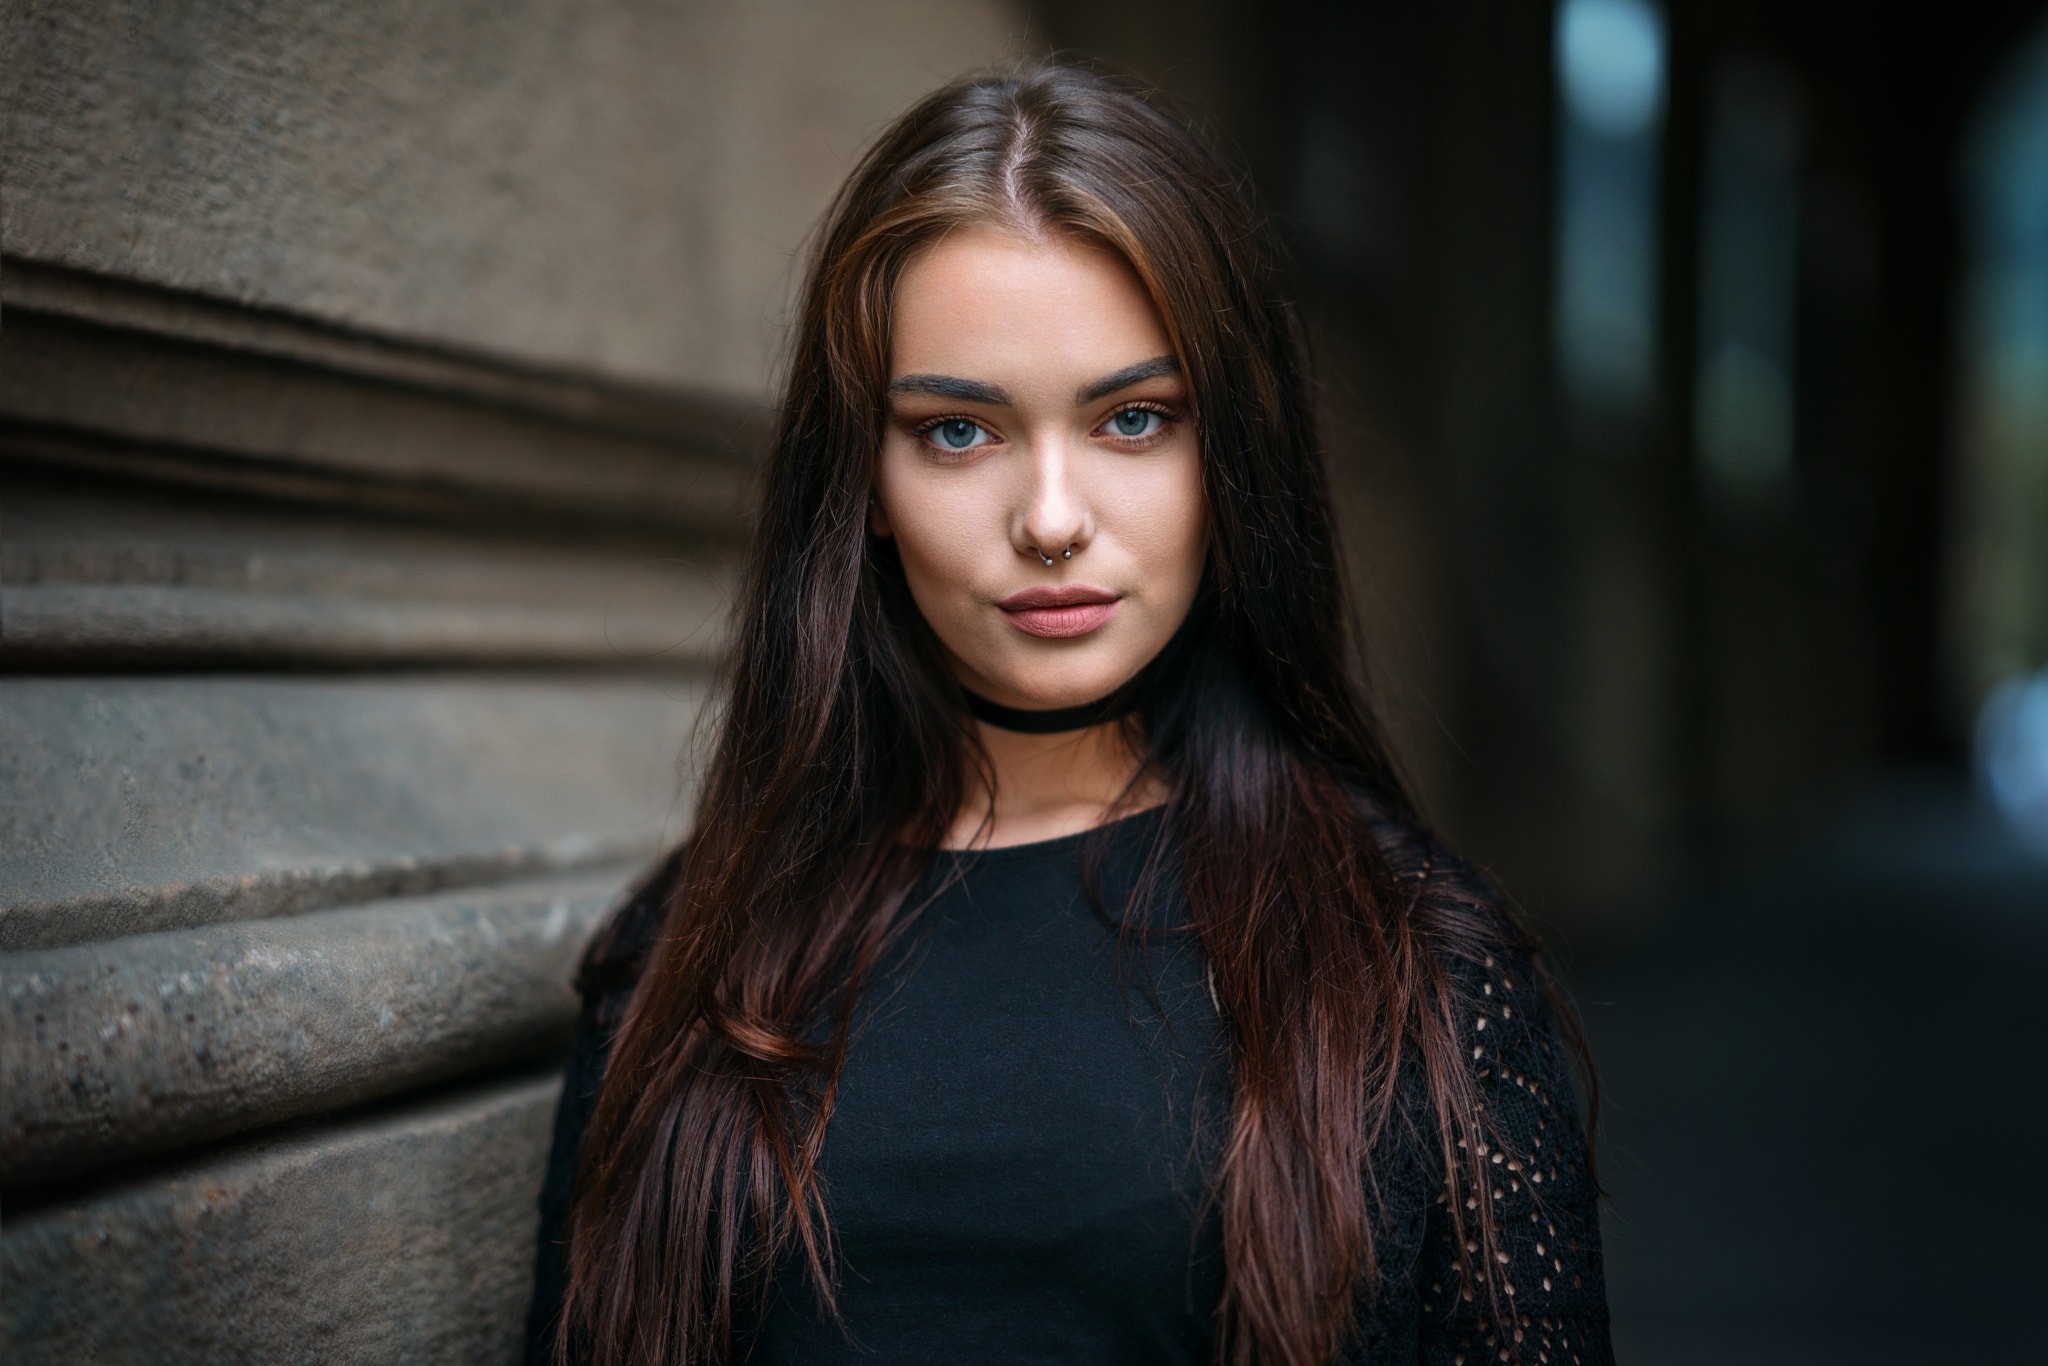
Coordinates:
(619, 951)
(1437, 879)
(1494, 972)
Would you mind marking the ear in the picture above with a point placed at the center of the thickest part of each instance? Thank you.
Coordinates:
(878, 520)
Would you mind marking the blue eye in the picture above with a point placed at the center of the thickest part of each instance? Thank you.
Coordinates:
(1133, 422)
(958, 434)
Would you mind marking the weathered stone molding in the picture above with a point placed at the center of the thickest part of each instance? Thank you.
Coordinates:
(71, 626)
(73, 391)
(113, 1051)
(404, 1236)
(698, 419)
(148, 804)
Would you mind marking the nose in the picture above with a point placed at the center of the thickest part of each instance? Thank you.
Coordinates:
(1051, 518)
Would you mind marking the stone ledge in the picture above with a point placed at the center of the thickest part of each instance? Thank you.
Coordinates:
(169, 803)
(91, 625)
(160, 407)
(399, 1237)
(700, 419)
(100, 573)
(136, 1046)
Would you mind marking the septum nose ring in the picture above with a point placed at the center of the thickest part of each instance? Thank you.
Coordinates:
(1066, 554)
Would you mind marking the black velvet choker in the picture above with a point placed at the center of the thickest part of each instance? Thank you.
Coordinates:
(1058, 719)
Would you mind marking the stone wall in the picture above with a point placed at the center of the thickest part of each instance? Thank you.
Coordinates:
(380, 390)
(619, 186)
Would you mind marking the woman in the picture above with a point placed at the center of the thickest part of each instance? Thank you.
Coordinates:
(1058, 970)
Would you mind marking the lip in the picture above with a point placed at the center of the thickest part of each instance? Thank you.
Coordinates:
(1060, 613)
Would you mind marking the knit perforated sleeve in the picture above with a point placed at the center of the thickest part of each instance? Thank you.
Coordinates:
(1539, 1189)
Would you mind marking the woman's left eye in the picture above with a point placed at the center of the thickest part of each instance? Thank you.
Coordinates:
(1136, 422)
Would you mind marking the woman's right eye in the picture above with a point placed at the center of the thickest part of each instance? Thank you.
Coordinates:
(956, 434)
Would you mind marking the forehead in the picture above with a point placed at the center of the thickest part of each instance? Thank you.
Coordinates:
(1036, 315)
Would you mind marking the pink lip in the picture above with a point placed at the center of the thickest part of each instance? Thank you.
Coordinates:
(1060, 613)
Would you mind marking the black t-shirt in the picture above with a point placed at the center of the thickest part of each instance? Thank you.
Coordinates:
(1033, 1099)
(1018, 1147)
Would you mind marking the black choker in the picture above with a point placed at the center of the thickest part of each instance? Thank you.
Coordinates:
(1119, 703)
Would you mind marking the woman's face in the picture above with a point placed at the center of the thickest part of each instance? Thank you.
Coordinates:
(1035, 413)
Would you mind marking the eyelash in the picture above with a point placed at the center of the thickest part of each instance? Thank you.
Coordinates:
(1167, 418)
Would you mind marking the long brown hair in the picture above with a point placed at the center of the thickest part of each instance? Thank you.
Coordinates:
(843, 748)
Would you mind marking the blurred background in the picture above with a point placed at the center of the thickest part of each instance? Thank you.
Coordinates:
(380, 385)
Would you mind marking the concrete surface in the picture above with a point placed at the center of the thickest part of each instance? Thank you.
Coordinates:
(153, 803)
(122, 1049)
(162, 407)
(95, 574)
(618, 187)
(397, 1237)
(1822, 1102)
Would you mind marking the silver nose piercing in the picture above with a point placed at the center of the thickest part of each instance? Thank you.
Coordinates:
(1043, 556)
(1066, 554)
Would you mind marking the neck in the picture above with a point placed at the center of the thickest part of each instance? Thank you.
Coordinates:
(1047, 786)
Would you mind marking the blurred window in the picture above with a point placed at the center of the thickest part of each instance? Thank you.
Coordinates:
(1749, 228)
(1611, 60)
(2002, 530)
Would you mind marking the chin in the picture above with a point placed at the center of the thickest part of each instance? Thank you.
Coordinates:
(1046, 683)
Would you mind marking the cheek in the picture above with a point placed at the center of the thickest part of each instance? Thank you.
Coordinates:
(1165, 521)
(936, 523)
(938, 551)
(1192, 517)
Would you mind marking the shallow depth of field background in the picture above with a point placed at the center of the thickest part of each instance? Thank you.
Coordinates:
(379, 390)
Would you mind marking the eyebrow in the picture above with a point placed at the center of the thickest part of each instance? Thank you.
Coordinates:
(947, 386)
(1126, 377)
(978, 391)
